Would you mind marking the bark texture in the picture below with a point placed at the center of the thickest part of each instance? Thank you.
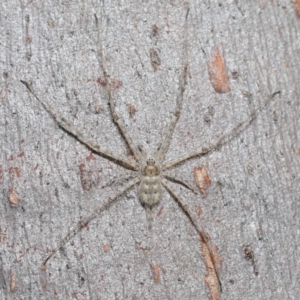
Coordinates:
(238, 54)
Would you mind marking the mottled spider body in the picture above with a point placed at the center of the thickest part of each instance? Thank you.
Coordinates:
(150, 188)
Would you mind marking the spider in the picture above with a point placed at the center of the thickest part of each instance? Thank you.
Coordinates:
(150, 172)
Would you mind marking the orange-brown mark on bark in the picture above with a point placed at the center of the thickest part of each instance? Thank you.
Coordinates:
(90, 157)
(3, 234)
(12, 197)
(89, 178)
(202, 179)
(155, 59)
(12, 281)
(139, 247)
(97, 108)
(156, 273)
(297, 7)
(132, 110)
(211, 278)
(129, 153)
(249, 255)
(198, 211)
(79, 295)
(43, 267)
(105, 247)
(160, 211)
(216, 257)
(297, 151)
(14, 171)
(218, 72)
(287, 63)
(101, 82)
(154, 31)
(28, 38)
(115, 83)
(21, 154)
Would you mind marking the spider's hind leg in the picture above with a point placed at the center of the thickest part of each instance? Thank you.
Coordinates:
(206, 250)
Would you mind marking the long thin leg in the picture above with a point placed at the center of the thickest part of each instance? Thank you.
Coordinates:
(91, 217)
(166, 141)
(199, 231)
(118, 178)
(136, 152)
(221, 140)
(69, 128)
(179, 181)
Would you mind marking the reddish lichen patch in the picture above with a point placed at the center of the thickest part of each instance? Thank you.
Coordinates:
(211, 278)
(156, 273)
(297, 7)
(132, 110)
(12, 197)
(202, 179)
(155, 59)
(218, 71)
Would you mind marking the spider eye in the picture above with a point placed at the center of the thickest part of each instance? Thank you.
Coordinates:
(150, 161)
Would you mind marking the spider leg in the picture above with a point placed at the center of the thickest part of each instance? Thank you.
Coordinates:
(117, 178)
(179, 181)
(91, 217)
(199, 231)
(120, 124)
(69, 128)
(222, 139)
(166, 141)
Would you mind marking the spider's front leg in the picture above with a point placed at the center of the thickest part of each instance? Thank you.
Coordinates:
(166, 141)
(69, 128)
(222, 139)
(118, 121)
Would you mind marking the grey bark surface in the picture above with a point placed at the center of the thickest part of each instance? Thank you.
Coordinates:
(253, 201)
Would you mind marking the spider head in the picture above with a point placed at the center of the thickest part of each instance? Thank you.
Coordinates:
(151, 169)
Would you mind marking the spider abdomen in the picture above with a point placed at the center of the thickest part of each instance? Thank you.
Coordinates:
(150, 190)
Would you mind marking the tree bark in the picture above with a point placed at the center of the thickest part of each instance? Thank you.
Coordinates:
(238, 54)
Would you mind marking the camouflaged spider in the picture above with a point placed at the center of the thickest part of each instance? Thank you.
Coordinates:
(150, 171)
